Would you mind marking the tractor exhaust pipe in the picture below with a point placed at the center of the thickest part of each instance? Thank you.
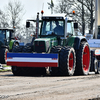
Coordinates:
(37, 25)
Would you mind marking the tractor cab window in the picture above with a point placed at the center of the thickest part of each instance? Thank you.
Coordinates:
(69, 28)
(55, 27)
(2, 36)
(59, 29)
(7, 36)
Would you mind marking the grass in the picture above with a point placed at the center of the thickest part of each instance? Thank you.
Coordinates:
(4, 68)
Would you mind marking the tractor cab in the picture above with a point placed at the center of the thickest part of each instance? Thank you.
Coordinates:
(5, 38)
(5, 35)
(57, 25)
(55, 30)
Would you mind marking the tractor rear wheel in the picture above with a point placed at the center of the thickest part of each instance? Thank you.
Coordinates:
(67, 61)
(83, 59)
(3, 55)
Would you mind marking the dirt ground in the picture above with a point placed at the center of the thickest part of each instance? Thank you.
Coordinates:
(49, 87)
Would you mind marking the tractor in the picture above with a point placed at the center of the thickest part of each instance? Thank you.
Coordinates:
(58, 49)
(6, 43)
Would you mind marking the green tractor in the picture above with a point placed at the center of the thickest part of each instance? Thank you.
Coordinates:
(58, 35)
(6, 43)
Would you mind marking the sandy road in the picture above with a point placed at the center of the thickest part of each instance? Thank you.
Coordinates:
(48, 88)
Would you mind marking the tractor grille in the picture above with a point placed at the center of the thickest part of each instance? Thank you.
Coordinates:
(40, 46)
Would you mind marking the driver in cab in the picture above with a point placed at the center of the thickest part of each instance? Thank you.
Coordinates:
(58, 29)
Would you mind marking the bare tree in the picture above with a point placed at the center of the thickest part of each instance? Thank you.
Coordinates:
(3, 20)
(15, 13)
(84, 11)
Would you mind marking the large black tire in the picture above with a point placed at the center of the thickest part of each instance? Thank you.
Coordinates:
(95, 68)
(39, 71)
(33, 71)
(3, 55)
(55, 70)
(27, 49)
(83, 59)
(27, 71)
(17, 48)
(67, 61)
(98, 68)
(17, 71)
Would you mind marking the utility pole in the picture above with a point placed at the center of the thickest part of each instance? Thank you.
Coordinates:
(83, 21)
(91, 15)
(51, 5)
(37, 25)
(96, 10)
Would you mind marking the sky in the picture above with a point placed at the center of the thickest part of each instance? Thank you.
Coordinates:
(31, 7)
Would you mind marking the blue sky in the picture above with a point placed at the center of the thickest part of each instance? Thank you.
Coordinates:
(31, 7)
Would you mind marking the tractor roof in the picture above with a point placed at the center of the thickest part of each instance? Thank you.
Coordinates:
(11, 29)
(56, 16)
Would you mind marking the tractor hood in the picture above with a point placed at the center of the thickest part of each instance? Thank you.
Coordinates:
(44, 44)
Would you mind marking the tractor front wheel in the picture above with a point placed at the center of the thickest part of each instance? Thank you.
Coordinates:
(16, 71)
(67, 60)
